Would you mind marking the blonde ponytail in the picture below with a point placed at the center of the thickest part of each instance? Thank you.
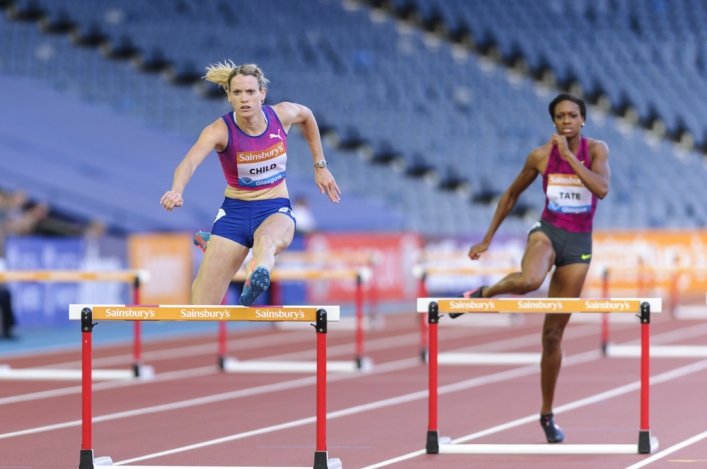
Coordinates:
(222, 73)
(219, 73)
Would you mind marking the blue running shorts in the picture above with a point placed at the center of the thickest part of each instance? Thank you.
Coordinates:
(237, 220)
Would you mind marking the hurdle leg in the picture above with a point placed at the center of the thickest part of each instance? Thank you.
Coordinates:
(605, 316)
(359, 322)
(646, 443)
(222, 337)
(422, 293)
(137, 331)
(321, 455)
(86, 457)
(432, 444)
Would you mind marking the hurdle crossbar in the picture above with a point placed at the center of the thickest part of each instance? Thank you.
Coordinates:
(134, 277)
(360, 275)
(435, 307)
(87, 314)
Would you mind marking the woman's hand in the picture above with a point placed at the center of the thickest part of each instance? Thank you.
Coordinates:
(326, 183)
(477, 249)
(560, 141)
(171, 199)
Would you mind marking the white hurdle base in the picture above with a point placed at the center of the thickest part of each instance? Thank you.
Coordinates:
(332, 463)
(232, 365)
(665, 351)
(57, 374)
(557, 448)
(690, 312)
(488, 358)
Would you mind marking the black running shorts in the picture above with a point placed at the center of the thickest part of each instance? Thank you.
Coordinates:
(570, 248)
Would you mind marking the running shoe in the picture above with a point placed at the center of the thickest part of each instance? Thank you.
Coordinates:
(470, 294)
(553, 432)
(201, 239)
(257, 283)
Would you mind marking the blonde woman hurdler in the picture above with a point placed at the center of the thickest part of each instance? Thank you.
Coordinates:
(251, 143)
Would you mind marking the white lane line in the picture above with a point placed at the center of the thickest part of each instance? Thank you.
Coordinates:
(167, 376)
(667, 451)
(378, 344)
(467, 384)
(661, 378)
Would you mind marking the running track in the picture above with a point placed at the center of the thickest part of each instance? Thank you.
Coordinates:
(191, 414)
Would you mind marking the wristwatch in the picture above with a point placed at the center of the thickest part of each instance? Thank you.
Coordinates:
(320, 164)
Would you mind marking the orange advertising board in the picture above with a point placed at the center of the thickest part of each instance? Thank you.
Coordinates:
(652, 261)
(538, 305)
(168, 260)
(395, 255)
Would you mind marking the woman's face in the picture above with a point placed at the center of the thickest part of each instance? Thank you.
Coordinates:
(245, 95)
(568, 119)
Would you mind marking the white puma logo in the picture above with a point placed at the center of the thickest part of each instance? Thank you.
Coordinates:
(276, 136)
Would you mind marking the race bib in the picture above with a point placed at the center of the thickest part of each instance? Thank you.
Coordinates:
(567, 194)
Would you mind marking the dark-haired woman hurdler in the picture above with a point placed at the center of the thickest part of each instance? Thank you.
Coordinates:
(251, 143)
(575, 172)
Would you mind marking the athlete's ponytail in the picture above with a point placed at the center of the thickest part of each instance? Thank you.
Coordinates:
(222, 73)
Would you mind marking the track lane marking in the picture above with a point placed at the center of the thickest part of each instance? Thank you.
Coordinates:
(634, 386)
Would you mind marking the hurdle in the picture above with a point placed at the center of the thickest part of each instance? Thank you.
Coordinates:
(422, 272)
(643, 282)
(360, 362)
(133, 277)
(87, 314)
(435, 307)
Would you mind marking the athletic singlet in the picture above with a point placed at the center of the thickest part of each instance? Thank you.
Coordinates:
(568, 203)
(255, 162)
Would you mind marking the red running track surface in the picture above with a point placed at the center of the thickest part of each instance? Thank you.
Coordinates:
(192, 414)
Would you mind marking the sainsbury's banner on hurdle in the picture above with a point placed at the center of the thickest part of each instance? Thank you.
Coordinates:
(395, 254)
(168, 260)
(198, 313)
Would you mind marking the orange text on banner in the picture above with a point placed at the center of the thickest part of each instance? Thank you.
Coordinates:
(202, 313)
(543, 305)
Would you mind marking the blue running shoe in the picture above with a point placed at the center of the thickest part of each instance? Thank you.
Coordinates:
(257, 283)
(553, 432)
(470, 294)
(201, 239)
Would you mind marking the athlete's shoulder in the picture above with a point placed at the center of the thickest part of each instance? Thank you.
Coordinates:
(597, 147)
(216, 132)
(541, 152)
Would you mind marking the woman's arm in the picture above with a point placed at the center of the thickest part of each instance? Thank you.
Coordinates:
(508, 200)
(595, 179)
(291, 113)
(213, 136)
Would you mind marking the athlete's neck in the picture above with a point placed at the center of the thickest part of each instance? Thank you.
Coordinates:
(254, 125)
(573, 143)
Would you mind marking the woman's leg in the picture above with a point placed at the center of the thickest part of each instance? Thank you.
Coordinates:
(221, 261)
(272, 237)
(537, 260)
(566, 282)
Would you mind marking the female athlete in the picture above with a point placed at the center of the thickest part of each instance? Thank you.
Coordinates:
(251, 143)
(575, 172)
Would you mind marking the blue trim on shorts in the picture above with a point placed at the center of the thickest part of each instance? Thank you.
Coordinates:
(242, 218)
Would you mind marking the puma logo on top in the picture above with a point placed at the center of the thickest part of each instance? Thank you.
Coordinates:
(276, 136)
